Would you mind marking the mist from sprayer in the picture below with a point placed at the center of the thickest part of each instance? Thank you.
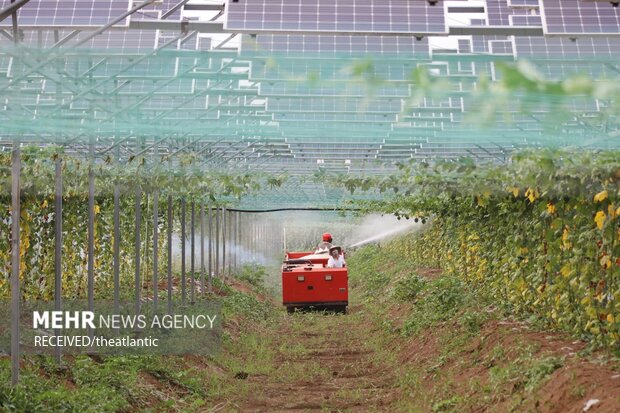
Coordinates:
(243, 255)
(379, 228)
(302, 231)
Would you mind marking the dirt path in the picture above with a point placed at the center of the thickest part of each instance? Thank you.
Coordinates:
(361, 362)
(327, 363)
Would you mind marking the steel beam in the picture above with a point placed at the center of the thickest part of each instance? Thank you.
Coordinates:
(91, 229)
(210, 269)
(202, 249)
(169, 246)
(155, 247)
(224, 240)
(58, 251)
(15, 259)
(137, 245)
(183, 238)
(12, 8)
(193, 254)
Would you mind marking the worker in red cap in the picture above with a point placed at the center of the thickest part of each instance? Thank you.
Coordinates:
(325, 245)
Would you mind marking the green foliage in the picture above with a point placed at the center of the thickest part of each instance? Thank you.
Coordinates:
(245, 305)
(221, 286)
(37, 243)
(369, 269)
(446, 405)
(537, 236)
(525, 372)
(440, 300)
(473, 320)
(376, 282)
(102, 387)
(540, 370)
(443, 295)
(408, 288)
(252, 274)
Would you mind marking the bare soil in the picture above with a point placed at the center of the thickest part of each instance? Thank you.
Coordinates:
(350, 363)
(332, 369)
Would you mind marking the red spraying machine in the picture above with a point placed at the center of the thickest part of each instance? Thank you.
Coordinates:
(308, 283)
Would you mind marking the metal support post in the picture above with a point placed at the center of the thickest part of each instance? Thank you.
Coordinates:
(224, 216)
(217, 242)
(116, 262)
(193, 255)
(169, 230)
(15, 259)
(137, 243)
(91, 229)
(210, 269)
(183, 235)
(202, 249)
(155, 247)
(58, 251)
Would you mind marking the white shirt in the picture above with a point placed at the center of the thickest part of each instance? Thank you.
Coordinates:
(332, 263)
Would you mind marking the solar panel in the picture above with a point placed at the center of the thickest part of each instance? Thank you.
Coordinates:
(332, 104)
(573, 17)
(523, 3)
(159, 9)
(501, 47)
(604, 47)
(123, 40)
(330, 71)
(39, 38)
(332, 117)
(481, 44)
(65, 13)
(572, 55)
(500, 14)
(130, 41)
(525, 20)
(329, 16)
(341, 45)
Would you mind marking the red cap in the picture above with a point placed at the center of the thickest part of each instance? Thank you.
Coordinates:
(327, 237)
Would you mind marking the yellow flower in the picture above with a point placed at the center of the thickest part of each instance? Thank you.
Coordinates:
(605, 262)
(97, 209)
(610, 318)
(601, 196)
(565, 270)
(532, 194)
(514, 190)
(551, 208)
(600, 219)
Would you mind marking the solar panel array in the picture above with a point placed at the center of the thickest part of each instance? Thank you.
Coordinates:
(330, 44)
(501, 14)
(575, 17)
(562, 47)
(68, 13)
(524, 3)
(314, 80)
(345, 16)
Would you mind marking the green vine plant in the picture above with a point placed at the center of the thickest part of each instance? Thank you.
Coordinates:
(537, 235)
(37, 238)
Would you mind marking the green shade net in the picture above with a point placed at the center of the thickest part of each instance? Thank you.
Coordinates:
(299, 115)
